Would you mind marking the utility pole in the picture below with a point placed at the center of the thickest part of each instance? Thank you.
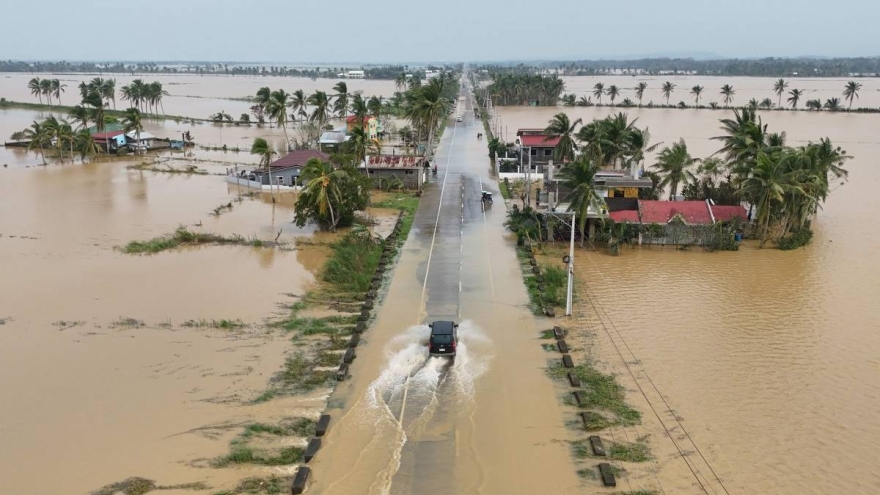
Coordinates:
(570, 269)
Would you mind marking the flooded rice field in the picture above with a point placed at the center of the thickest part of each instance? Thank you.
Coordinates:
(115, 365)
(770, 358)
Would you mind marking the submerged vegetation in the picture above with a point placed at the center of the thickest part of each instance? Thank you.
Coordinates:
(184, 237)
(604, 397)
(142, 486)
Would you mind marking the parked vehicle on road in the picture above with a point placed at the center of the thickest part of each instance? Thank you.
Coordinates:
(444, 338)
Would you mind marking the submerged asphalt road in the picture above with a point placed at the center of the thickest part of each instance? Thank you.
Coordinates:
(484, 423)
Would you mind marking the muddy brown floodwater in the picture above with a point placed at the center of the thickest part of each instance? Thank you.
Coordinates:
(92, 396)
(770, 358)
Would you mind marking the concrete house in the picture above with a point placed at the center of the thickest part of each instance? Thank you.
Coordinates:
(283, 172)
(409, 169)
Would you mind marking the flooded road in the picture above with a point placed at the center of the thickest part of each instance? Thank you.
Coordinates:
(484, 423)
(768, 357)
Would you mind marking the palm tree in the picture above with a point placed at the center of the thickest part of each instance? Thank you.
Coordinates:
(426, 107)
(598, 91)
(85, 144)
(340, 104)
(727, 92)
(795, 97)
(768, 183)
(36, 88)
(359, 109)
(673, 164)
(154, 89)
(560, 126)
(46, 89)
(814, 104)
(298, 103)
(36, 134)
(57, 89)
(613, 92)
(766, 104)
(375, 106)
(779, 87)
(321, 108)
(400, 81)
(108, 91)
(851, 91)
(131, 121)
(321, 189)
(276, 109)
(83, 89)
(360, 145)
(833, 104)
(261, 148)
(579, 177)
(696, 90)
(96, 112)
(264, 94)
(640, 91)
(81, 115)
(667, 89)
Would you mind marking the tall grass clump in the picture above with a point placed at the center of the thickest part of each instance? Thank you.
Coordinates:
(353, 262)
(184, 237)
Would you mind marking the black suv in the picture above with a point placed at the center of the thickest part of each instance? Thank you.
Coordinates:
(444, 338)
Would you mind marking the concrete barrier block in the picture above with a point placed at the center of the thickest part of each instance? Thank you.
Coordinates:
(312, 449)
(579, 398)
(596, 445)
(322, 425)
(354, 341)
(607, 474)
(550, 313)
(574, 380)
(348, 356)
(563, 347)
(375, 284)
(558, 332)
(371, 294)
(300, 480)
(342, 372)
(361, 326)
(539, 278)
(536, 270)
(533, 262)
(368, 304)
(362, 318)
(567, 362)
(365, 312)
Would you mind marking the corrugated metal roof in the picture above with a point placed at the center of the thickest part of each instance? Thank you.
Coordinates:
(395, 161)
(631, 216)
(298, 158)
(107, 128)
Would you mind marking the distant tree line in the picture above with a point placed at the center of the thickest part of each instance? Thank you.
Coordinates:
(764, 67)
(377, 72)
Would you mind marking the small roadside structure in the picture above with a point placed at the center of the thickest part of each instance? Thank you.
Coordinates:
(410, 170)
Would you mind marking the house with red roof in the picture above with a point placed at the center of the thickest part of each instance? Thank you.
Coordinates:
(537, 147)
(674, 222)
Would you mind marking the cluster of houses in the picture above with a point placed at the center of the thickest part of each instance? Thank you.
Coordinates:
(112, 139)
(285, 173)
(533, 160)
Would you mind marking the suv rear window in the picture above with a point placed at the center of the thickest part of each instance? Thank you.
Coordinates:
(441, 339)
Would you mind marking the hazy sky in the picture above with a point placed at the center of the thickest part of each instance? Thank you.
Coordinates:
(420, 30)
